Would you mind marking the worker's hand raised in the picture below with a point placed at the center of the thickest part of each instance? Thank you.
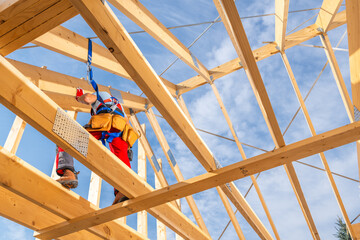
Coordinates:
(79, 93)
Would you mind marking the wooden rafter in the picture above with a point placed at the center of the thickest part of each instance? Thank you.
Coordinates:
(327, 13)
(304, 148)
(37, 109)
(22, 23)
(143, 17)
(150, 153)
(62, 88)
(47, 193)
(73, 45)
(353, 18)
(261, 53)
(281, 15)
(232, 19)
(174, 166)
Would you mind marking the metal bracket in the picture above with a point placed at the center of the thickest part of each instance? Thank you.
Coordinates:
(117, 94)
(171, 156)
(320, 29)
(194, 60)
(356, 114)
(177, 92)
(155, 162)
(67, 129)
(277, 47)
(241, 64)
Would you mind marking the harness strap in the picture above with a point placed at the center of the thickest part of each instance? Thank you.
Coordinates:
(95, 86)
(109, 136)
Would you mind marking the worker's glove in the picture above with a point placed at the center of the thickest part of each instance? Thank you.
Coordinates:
(79, 93)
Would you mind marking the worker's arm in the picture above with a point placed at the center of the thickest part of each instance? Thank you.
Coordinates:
(86, 98)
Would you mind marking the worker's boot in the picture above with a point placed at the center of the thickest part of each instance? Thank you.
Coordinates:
(119, 197)
(69, 179)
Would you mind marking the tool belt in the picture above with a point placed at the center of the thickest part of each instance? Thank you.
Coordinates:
(105, 121)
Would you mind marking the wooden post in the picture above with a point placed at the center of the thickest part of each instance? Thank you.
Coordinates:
(281, 16)
(149, 153)
(322, 155)
(174, 166)
(142, 215)
(160, 227)
(13, 140)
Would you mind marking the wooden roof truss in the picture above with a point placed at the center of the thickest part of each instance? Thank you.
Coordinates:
(36, 94)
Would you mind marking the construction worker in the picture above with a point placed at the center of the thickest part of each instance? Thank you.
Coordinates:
(102, 104)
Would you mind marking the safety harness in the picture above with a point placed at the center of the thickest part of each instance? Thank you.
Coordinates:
(103, 107)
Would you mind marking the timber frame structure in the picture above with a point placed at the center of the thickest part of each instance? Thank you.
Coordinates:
(38, 97)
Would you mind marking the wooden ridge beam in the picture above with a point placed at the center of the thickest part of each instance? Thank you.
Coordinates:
(232, 19)
(62, 88)
(22, 97)
(22, 23)
(281, 16)
(52, 197)
(327, 12)
(292, 152)
(73, 45)
(142, 17)
(261, 53)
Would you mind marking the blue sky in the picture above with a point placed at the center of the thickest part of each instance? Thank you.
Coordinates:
(214, 48)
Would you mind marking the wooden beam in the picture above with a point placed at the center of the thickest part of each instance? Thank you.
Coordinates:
(142, 17)
(356, 226)
(27, 101)
(313, 133)
(62, 88)
(338, 76)
(23, 25)
(232, 19)
(33, 216)
(73, 45)
(281, 16)
(353, 30)
(231, 213)
(160, 227)
(263, 162)
(142, 223)
(149, 153)
(13, 140)
(51, 196)
(327, 13)
(260, 54)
